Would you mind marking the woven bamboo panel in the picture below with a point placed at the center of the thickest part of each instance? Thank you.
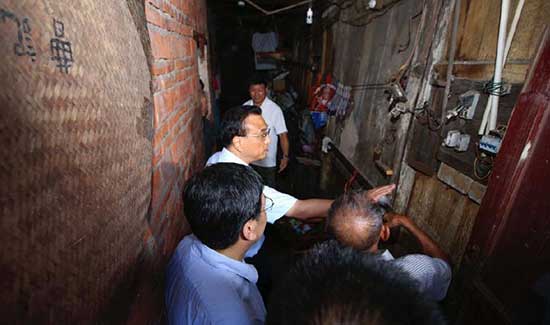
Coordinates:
(75, 157)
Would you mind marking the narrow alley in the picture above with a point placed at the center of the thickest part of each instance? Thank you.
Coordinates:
(275, 161)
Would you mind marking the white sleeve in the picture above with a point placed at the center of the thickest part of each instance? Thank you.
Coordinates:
(279, 121)
(432, 274)
(281, 203)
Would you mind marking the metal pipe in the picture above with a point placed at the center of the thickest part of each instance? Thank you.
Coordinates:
(450, 60)
(509, 38)
(499, 63)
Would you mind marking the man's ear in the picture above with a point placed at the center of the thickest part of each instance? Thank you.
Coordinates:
(236, 143)
(385, 233)
(249, 230)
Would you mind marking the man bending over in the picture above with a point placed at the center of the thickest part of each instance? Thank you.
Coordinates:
(357, 221)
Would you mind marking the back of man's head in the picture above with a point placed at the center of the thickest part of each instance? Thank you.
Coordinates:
(337, 285)
(356, 221)
(219, 200)
(233, 125)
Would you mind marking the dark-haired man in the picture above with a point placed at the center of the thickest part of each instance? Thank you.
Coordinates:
(207, 281)
(244, 136)
(358, 222)
(336, 285)
(273, 116)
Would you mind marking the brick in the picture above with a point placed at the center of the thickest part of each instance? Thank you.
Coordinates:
(170, 99)
(166, 127)
(167, 8)
(156, 188)
(158, 153)
(154, 16)
(181, 64)
(181, 75)
(155, 3)
(160, 43)
(163, 67)
(166, 45)
(164, 82)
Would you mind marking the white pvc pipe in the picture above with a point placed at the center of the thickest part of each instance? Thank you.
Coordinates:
(499, 63)
(511, 34)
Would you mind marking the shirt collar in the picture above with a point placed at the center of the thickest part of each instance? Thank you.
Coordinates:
(228, 156)
(387, 256)
(220, 261)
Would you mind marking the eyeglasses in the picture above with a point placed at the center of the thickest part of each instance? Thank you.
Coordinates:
(268, 204)
(263, 135)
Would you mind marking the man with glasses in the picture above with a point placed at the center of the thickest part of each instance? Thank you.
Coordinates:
(277, 131)
(244, 136)
(207, 280)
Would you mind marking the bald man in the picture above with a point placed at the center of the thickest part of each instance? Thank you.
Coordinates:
(357, 221)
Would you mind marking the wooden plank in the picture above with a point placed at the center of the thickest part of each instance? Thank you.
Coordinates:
(512, 73)
(478, 29)
(445, 214)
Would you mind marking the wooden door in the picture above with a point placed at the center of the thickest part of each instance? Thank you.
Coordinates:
(508, 257)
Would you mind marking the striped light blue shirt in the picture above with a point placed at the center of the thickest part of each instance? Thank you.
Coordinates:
(206, 287)
(433, 275)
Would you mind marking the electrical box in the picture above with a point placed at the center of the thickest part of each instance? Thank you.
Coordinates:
(469, 101)
(457, 140)
(490, 143)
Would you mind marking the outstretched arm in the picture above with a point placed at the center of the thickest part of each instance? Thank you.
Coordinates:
(305, 209)
(429, 246)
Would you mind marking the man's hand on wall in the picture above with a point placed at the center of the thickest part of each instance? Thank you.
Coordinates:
(377, 193)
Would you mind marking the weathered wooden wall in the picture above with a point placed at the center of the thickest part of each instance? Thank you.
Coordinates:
(373, 53)
(478, 33)
(445, 213)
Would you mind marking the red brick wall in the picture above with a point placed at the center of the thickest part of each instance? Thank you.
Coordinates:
(177, 140)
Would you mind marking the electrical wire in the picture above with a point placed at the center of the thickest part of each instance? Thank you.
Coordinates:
(276, 11)
(371, 15)
(487, 161)
(495, 88)
(340, 6)
(426, 116)
(350, 181)
(403, 48)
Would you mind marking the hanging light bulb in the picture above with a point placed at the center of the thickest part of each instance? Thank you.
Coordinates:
(309, 16)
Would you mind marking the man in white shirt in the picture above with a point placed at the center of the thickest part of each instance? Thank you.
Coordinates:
(357, 222)
(273, 116)
(244, 136)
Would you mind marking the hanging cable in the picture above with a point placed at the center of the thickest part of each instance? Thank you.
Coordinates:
(371, 15)
(276, 11)
(350, 181)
